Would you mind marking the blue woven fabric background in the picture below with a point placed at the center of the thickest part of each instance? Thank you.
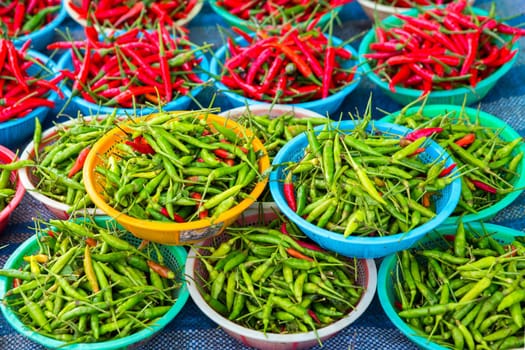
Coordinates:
(191, 329)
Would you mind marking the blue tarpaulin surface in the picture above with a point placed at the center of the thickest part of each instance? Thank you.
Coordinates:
(191, 329)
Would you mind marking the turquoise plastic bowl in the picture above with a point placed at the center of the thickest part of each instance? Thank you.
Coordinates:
(45, 35)
(507, 133)
(385, 277)
(16, 131)
(234, 21)
(405, 96)
(323, 106)
(79, 104)
(175, 259)
(354, 246)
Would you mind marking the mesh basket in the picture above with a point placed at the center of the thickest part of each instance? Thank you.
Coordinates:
(167, 232)
(174, 258)
(385, 288)
(363, 247)
(458, 96)
(198, 275)
(505, 132)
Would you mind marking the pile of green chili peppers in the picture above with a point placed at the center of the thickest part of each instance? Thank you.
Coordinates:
(275, 131)
(469, 293)
(360, 182)
(267, 280)
(488, 164)
(7, 186)
(87, 283)
(180, 168)
(57, 155)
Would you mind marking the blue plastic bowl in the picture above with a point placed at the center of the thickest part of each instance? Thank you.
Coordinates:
(78, 104)
(506, 132)
(174, 258)
(387, 272)
(15, 132)
(327, 105)
(353, 246)
(45, 35)
(405, 96)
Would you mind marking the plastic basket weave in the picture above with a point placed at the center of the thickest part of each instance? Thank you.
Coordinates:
(385, 287)
(405, 96)
(168, 232)
(363, 247)
(174, 258)
(197, 274)
(506, 133)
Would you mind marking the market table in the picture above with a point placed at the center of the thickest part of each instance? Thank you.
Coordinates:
(191, 329)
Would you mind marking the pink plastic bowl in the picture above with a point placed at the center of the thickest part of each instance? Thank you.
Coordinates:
(7, 156)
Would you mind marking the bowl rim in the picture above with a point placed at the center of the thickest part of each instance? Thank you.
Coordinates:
(377, 241)
(275, 109)
(364, 301)
(219, 55)
(389, 262)
(53, 96)
(414, 93)
(146, 333)
(19, 188)
(483, 116)
(24, 176)
(160, 226)
(82, 22)
(94, 107)
(61, 15)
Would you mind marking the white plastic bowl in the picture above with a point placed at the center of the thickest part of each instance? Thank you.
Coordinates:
(61, 210)
(378, 11)
(272, 341)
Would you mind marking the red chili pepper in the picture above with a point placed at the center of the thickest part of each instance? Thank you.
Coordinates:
(450, 238)
(79, 162)
(483, 186)
(447, 170)
(424, 132)
(91, 242)
(140, 145)
(398, 305)
(289, 192)
(297, 254)
(313, 315)
(162, 270)
(203, 214)
(466, 140)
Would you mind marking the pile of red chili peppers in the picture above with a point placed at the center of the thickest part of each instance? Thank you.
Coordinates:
(21, 17)
(281, 11)
(288, 65)
(136, 68)
(442, 48)
(137, 14)
(21, 92)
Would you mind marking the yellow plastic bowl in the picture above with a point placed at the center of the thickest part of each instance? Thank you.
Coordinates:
(168, 232)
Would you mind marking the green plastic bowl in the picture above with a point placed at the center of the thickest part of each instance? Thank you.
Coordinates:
(175, 259)
(385, 278)
(507, 133)
(405, 96)
(234, 21)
